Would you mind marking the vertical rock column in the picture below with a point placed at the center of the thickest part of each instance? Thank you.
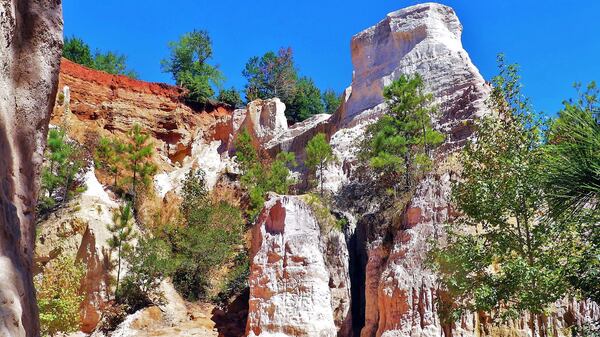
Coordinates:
(30, 48)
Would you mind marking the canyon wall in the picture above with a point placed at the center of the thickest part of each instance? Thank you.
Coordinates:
(393, 293)
(31, 44)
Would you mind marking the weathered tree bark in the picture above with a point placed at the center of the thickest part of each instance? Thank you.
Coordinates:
(30, 49)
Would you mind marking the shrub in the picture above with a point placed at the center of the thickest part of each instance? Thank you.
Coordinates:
(318, 155)
(208, 238)
(58, 295)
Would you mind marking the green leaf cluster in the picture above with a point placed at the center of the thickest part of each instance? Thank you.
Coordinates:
(122, 236)
(276, 75)
(58, 295)
(260, 177)
(131, 160)
(188, 64)
(507, 253)
(210, 235)
(231, 97)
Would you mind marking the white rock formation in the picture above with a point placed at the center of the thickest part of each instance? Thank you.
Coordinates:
(265, 119)
(296, 287)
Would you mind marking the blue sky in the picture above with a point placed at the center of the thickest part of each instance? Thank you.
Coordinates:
(555, 42)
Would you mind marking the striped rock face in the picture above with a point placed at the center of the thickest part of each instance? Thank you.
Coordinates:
(30, 48)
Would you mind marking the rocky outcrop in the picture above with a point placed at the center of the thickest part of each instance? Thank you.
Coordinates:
(101, 104)
(299, 284)
(80, 230)
(423, 39)
(31, 42)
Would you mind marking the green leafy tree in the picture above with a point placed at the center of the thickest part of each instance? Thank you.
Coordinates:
(109, 156)
(399, 144)
(271, 75)
(58, 295)
(331, 100)
(572, 184)
(231, 97)
(209, 237)
(318, 155)
(76, 50)
(113, 63)
(502, 257)
(138, 157)
(258, 177)
(189, 65)
(122, 235)
(61, 174)
(306, 102)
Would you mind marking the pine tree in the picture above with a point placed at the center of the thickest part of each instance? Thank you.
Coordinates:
(122, 235)
(60, 175)
(139, 159)
(318, 155)
(400, 143)
(109, 157)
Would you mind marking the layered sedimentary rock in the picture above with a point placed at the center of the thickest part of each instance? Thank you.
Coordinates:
(31, 42)
(103, 103)
(299, 284)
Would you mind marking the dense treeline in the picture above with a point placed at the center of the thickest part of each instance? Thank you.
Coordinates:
(76, 50)
(189, 63)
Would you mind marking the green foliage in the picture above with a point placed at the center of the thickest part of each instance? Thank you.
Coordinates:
(76, 50)
(318, 155)
(572, 183)
(189, 66)
(236, 281)
(502, 257)
(331, 101)
(271, 75)
(573, 170)
(400, 142)
(321, 208)
(259, 178)
(58, 295)
(122, 235)
(150, 262)
(138, 159)
(113, 63)
(306, 101)
(109, 157)
(231, 97)
(61, 174)
(209, 237)
(132, 159)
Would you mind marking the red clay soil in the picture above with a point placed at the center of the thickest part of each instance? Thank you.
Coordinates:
(70, 68)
